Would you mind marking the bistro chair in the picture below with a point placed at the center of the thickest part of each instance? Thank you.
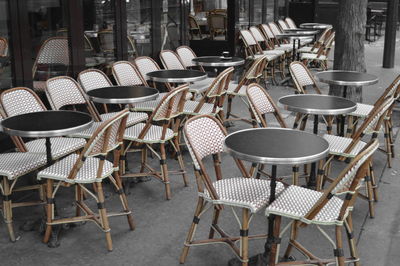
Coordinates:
(290, 23)
(321, 41)
(90, 167)
(3, 47)
(275, 29)
(204, 136)
(331, 207)
(261, 104)
(363, 110)
(106, 41)
(194, 28)
(17, 101)
(254, 50)
(126, 74)
(146, 135)
(275, 42)
(55, 51)
(132, 49)
(186, 54)
(253, 74)
(171, 60)
(65, 91)
(282, 24)
(320, 59)
(348, 148)
(217, 24)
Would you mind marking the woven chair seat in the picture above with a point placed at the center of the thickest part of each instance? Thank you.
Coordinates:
(16, 164)
(270, 57)
(309, 56)
(306, 41)
(249, 193)
(59, 146)
(86, 134)
(337, 145)
(274, 52)
(148, 106)
(362, 110)
(201, 86)
(295, 202)
(206, 109)
(39, 86)
(153, 135)
(232, 87)
(87, 174)
(133, 117)
(307, 49)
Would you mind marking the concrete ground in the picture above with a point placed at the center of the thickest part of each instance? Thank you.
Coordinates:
(161, 225)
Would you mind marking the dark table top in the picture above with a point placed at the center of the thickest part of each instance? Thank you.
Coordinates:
(123, 94)
(346, 78)
(305, 33)
(317, 104)
(46, 124)
(276, 146)
(218, 61)
(175, 75)
(315, 26)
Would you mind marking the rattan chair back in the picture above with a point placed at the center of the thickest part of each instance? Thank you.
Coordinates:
(126, 74)
(302, 77)
(145, 65)
(106, 41)
(20, 100)
(170, 60)
(3, 47)
(93, 79)
(290, 23)
(186, 54)
(283, 24)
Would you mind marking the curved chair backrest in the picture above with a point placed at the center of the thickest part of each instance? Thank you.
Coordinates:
(256, 69)
(302, 77)
(3, 46)
(54, 50)
(132, 50)
(106, 40)
(145, 65)
(220, 84)
(248, 38)
(261, 103)
(186, 55)
(126, 74)
(217, 22)
(283, 24)
(374, 120)
(171, 105)
(93, 79)
(267, 31)
(193, 25)
(274, 28)
(17, 101)
(348, 182)
(63, 91)
(290, 23)
(257, 35)
(170, 60)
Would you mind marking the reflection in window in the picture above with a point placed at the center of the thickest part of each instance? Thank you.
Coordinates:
(5, 62)
(208, 19)
(170, 24)
(49, 27)
(139, 26)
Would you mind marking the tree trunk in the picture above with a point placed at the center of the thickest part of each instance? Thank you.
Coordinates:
(349, 43)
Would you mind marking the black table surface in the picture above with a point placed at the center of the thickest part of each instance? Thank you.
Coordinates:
(176, 74)
(338, 77)
(276, 146)
(123, 93)
(46, 123)
(317, 104)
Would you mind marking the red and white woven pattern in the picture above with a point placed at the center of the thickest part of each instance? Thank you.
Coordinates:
(64, 91)
(371, 127)
(275, 30)
(170, 60)
(259, 101)
(20, 101)
(86, 174)
(295, 202)
(203, 137)
(93, 79)
(301, 74)
(362, 110)
(126, 74)
(133, 117)
(145, 65)
(337, 145)
(248, 37)
(186, 55)
(249, 193)
(16, 164)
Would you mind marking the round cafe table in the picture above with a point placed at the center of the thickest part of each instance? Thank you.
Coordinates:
(218, 61)
(46, 124)
(296, 36)
(319, 26)
(123, 94)
(176, 75)
(316, 104)
(275, 146)
(346, 78)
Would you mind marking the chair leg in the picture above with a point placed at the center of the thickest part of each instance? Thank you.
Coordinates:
(373, 182)
(339, 246)
(78, 198)
(274, 247)
(370, 195)
(103, 215)
(192, 230)
(350, 121)
(214, 222)
(180, 160)
(144, 159)
(293, 236)
(229, 107)
(7, 209)
(296, 121)
(124, 201)
(244, 237)
(388, 145)
(295, 175)
(164, 171)
(329, 120)
(50, 210)
(350, 237)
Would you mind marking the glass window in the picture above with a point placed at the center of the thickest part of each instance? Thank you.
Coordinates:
(208, 19)
(270, 10)
(99, 27)
(5, 62)
(49, 33)
(257, 15)
(244, 14)
(139, 27)
(170, 24)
